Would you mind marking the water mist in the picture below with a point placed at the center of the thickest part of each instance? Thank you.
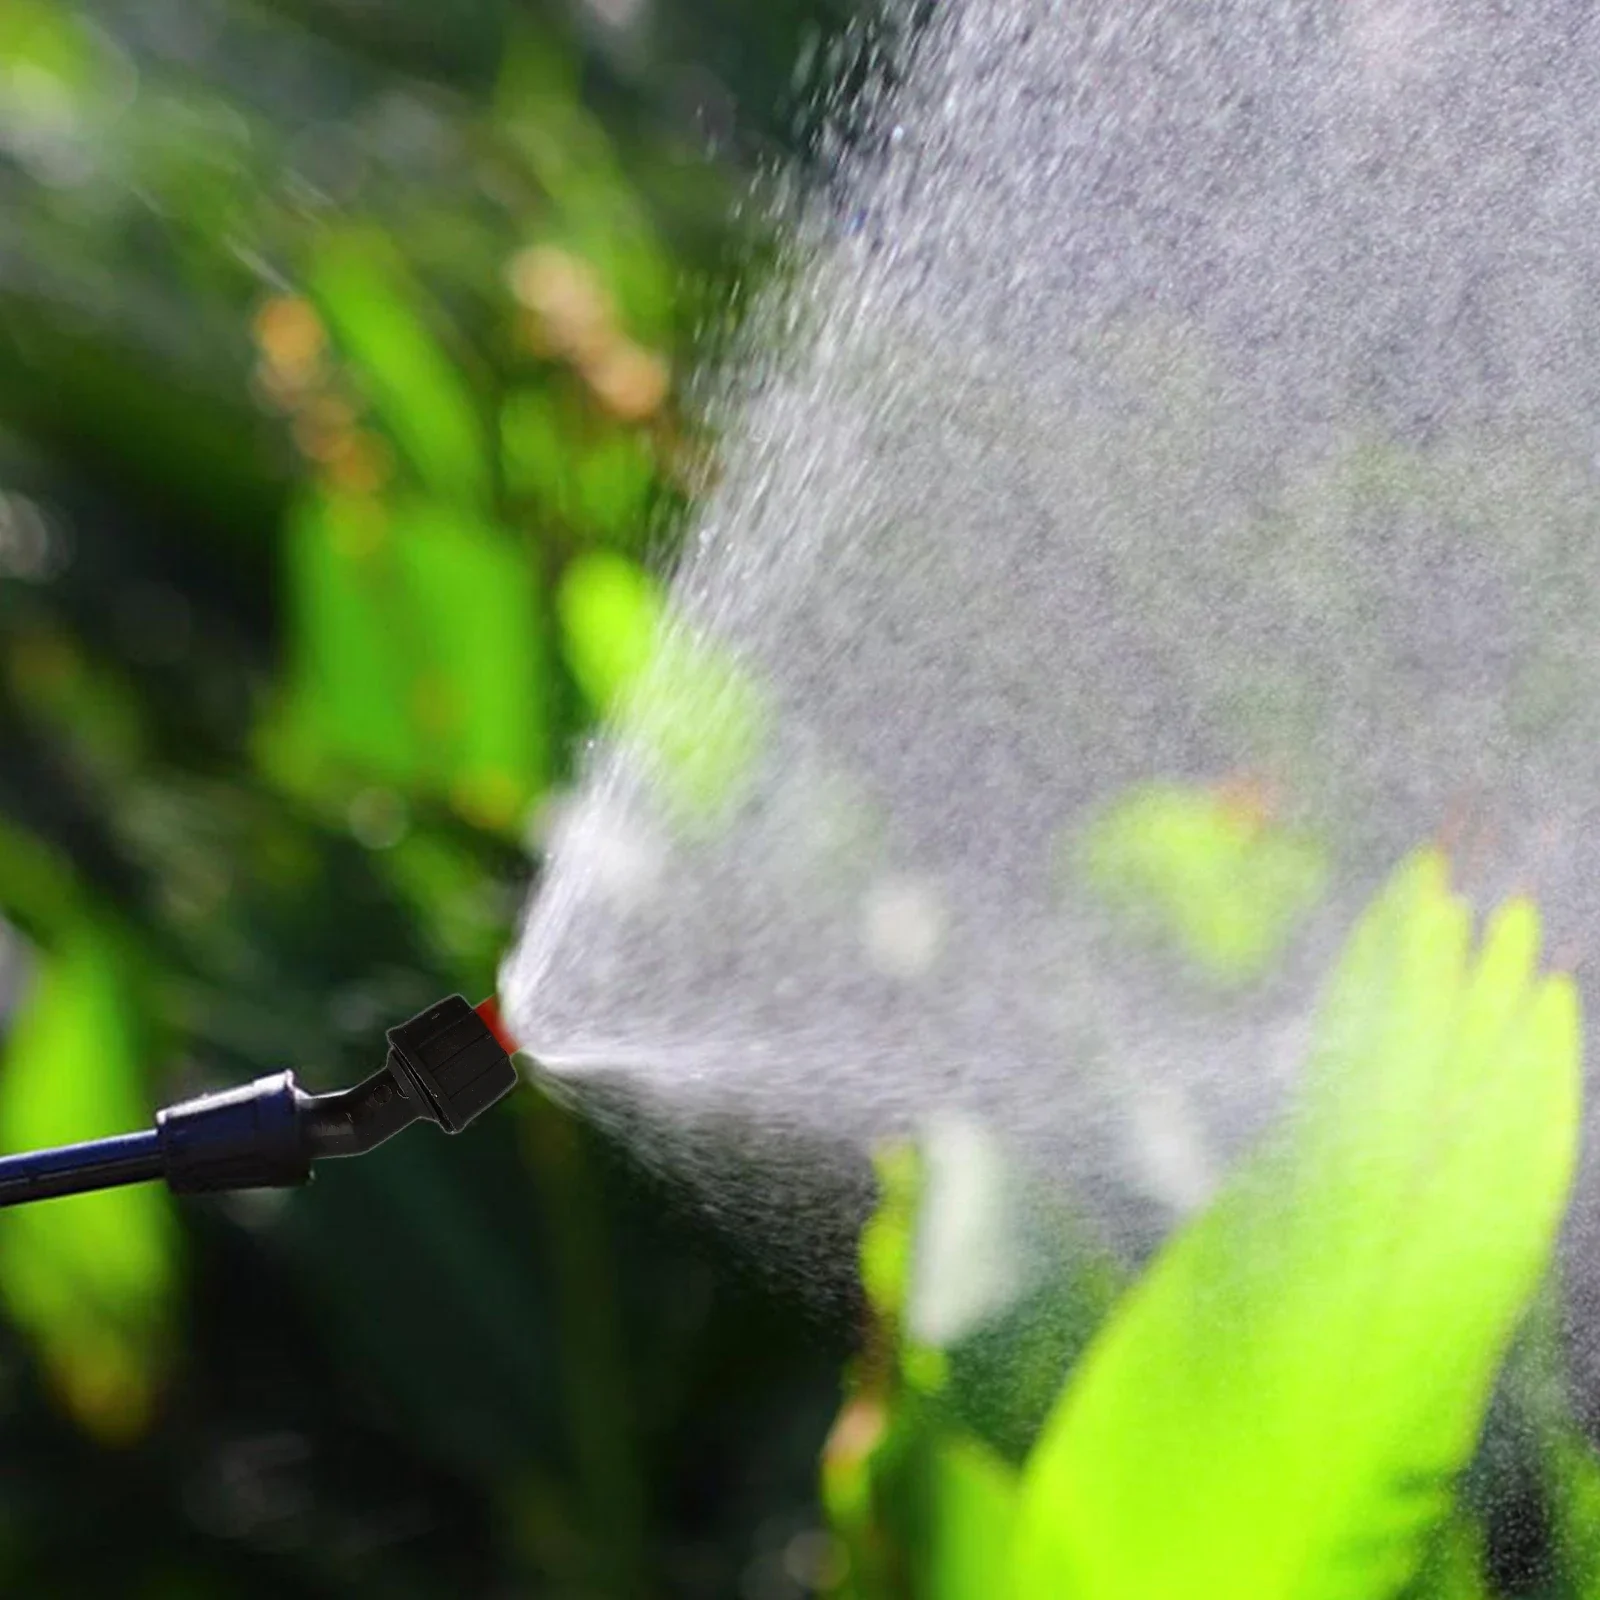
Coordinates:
(1179, 405)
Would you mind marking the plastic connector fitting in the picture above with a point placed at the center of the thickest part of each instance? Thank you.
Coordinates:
(246, 1138)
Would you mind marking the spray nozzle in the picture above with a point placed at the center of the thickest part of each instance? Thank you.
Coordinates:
(447, 1065)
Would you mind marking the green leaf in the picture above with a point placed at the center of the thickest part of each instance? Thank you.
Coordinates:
(888, 1254)
(1574, 1485)
(48, 39)
(613, 480)
(90, 1279)
(37, 883)
(1206, 872)
(683, 702)
(1004, 1378)
(597, 211)
(702, 720)
(418, 658)
(350, 674)
(376, 315)
(1280, 1406)
(847, 1491)
(1454, 1568)
(479, 654)
(981, 1292)
(886, 1239)
(907, 1492)
(601, 483)
(972, 1522)
(536, 441)
(612, 615)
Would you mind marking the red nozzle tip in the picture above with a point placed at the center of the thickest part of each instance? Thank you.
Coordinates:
(489, 1010)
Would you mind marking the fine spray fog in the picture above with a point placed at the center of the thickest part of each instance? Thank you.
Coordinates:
(1201, 395)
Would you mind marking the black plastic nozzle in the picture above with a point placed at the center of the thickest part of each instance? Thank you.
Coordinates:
(451, 1056)
(447, 1065)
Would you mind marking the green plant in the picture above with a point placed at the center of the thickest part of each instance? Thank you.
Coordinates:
(1285, 1401)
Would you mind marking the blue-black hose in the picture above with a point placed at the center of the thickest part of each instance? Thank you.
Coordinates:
(73, 1168)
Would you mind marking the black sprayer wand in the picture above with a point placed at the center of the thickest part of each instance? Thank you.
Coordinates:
(446, 1065)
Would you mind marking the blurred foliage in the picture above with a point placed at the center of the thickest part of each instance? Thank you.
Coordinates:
(92, 1278)
(341, 357)
(1287, 1401)
(1210, 873)
(688, 709)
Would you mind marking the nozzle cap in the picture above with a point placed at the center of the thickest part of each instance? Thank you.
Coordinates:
(450, 1059)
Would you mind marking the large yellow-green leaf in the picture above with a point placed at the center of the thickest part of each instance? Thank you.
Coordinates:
(90, 1279)
(1279, 1407)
